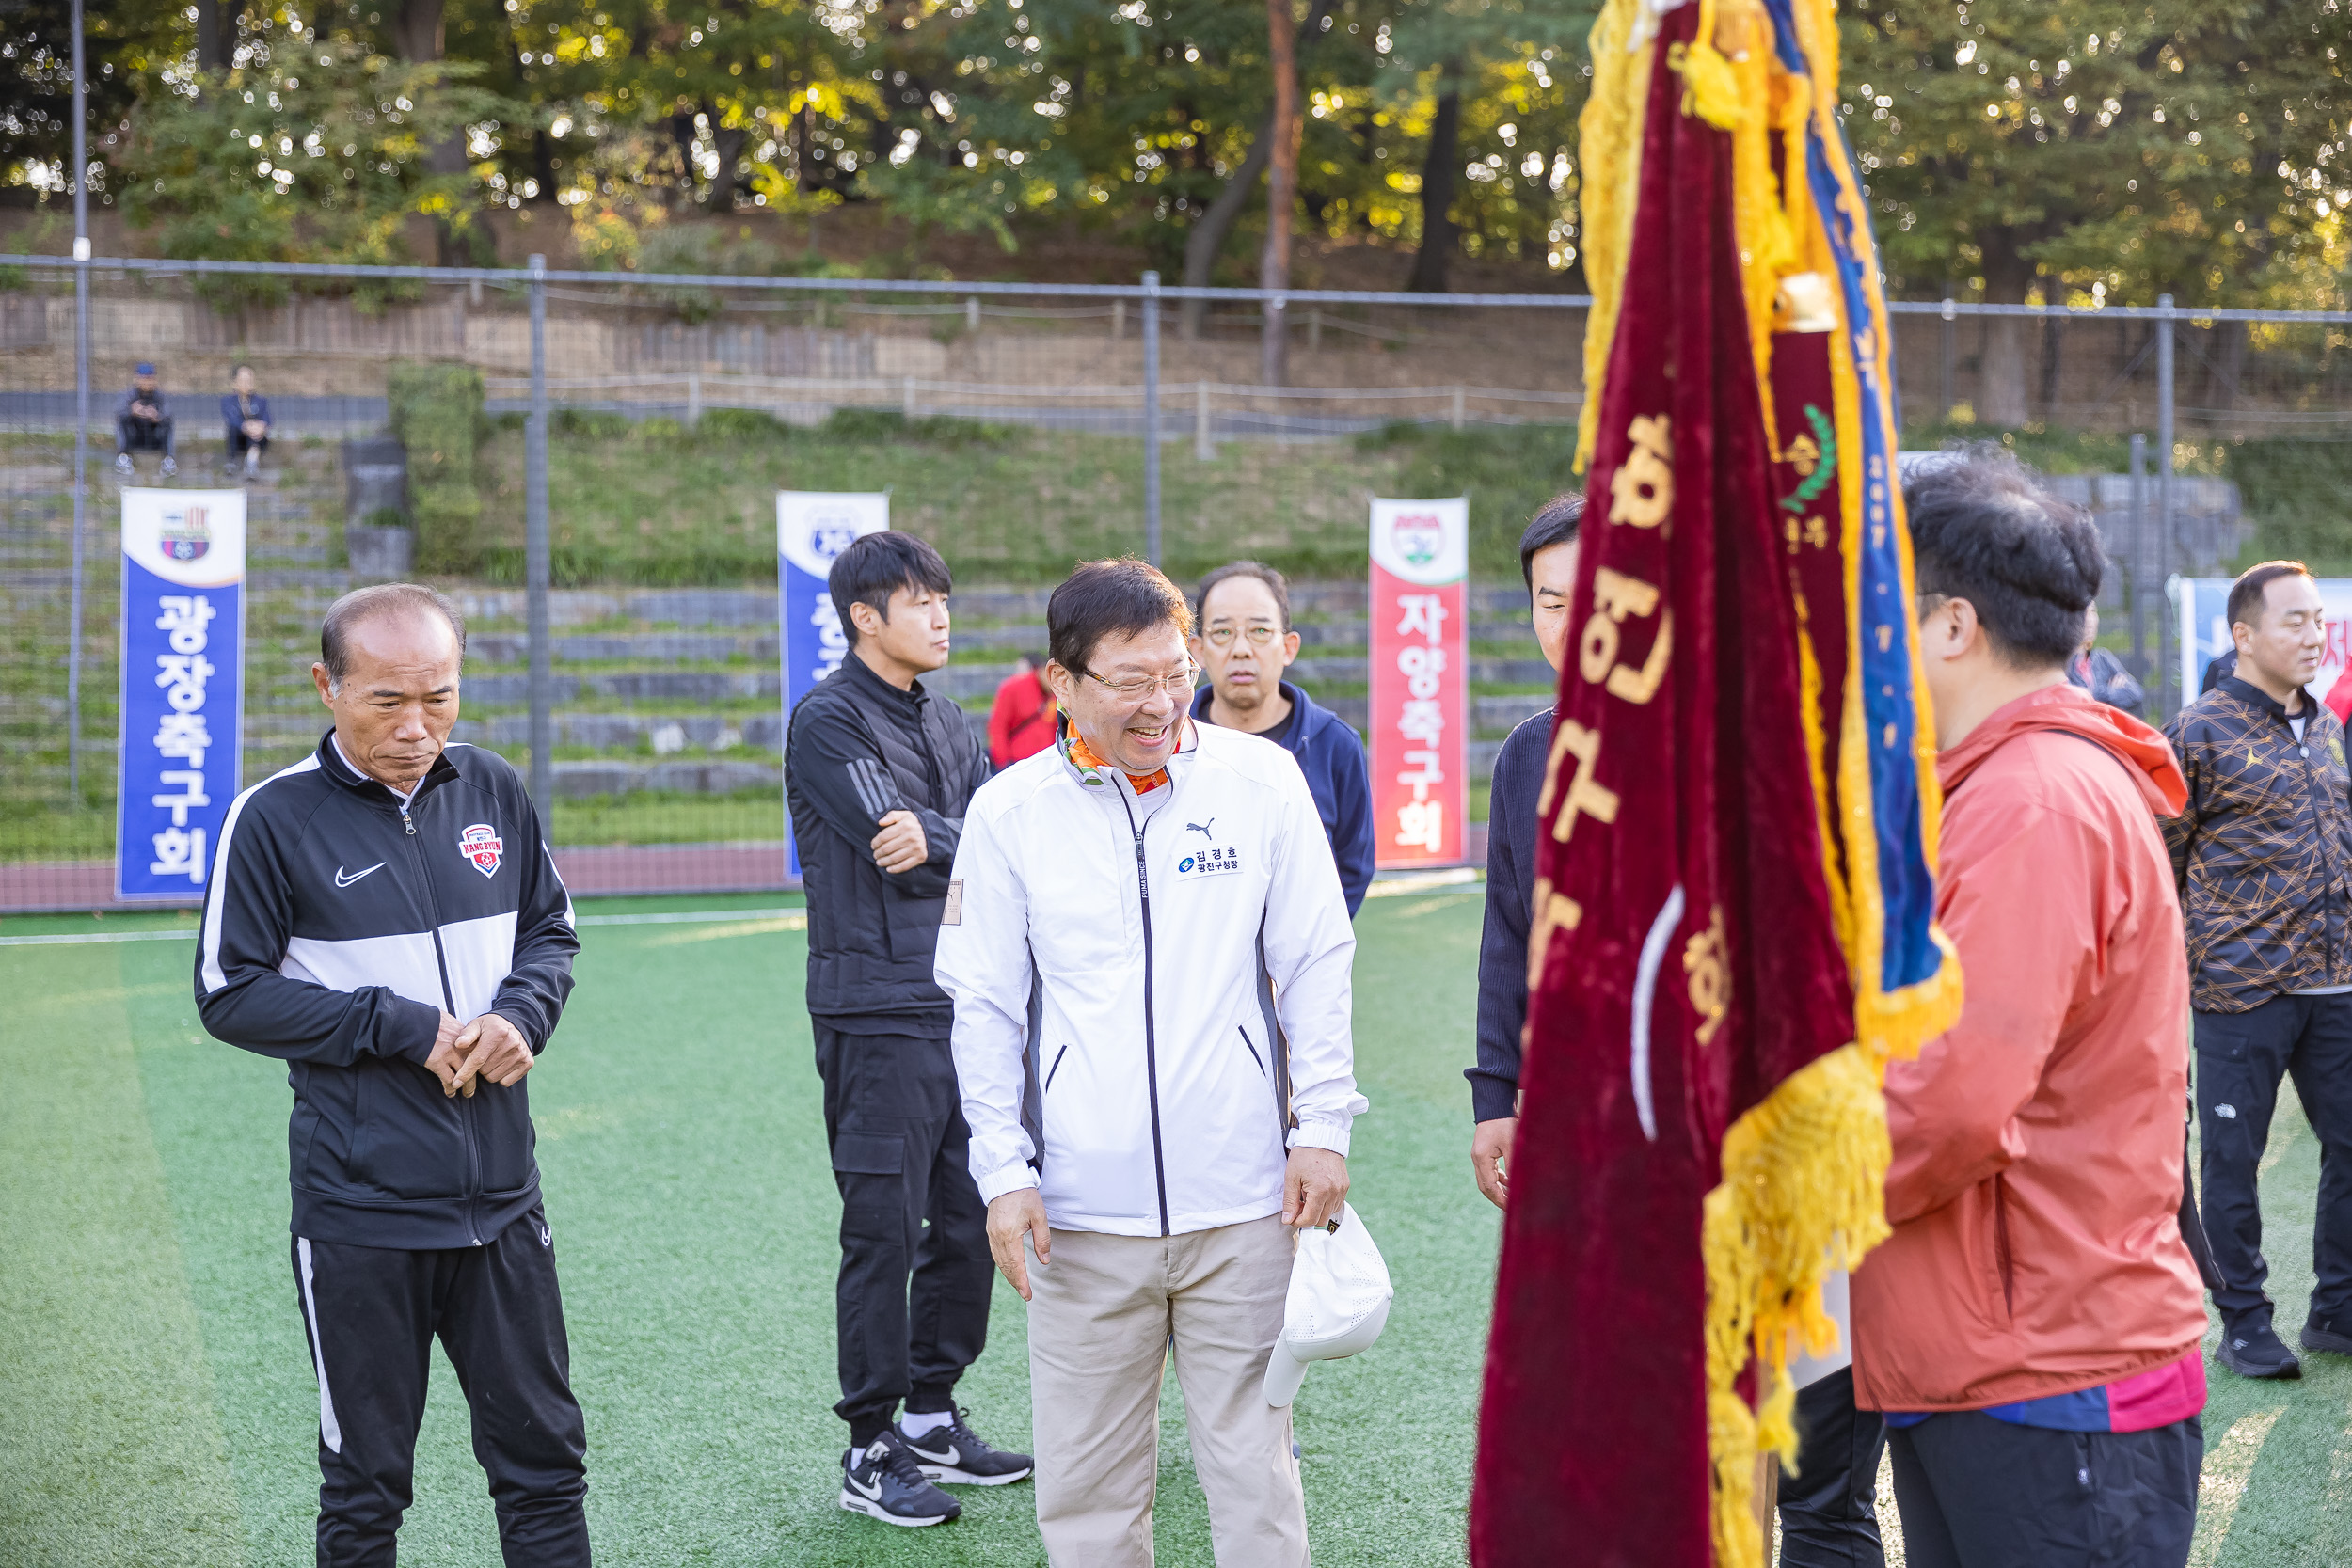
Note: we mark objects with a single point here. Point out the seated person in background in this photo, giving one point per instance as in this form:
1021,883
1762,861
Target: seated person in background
2095,670
244,416
142,422
1021,722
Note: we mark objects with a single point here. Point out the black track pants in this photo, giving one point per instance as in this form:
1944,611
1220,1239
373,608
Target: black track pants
1829,1509
912,1300
371,1314
1980,1493
2241,1058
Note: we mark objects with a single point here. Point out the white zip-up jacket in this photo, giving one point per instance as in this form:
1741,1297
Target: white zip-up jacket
1112,1006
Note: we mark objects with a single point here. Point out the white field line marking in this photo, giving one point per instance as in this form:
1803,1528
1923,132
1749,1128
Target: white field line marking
794,921
2228,1464
696,917
1421,881
2281,1139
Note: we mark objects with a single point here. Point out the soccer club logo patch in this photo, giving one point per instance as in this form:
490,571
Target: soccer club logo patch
481,845
1419,535
186,533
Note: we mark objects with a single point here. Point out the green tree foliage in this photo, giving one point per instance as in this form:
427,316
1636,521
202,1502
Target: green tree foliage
309,157
2105,151
2014,149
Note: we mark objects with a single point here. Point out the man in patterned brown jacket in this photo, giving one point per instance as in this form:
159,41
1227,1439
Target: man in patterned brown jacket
2264,859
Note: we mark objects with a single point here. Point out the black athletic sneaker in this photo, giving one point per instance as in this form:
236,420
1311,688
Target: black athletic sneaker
2323,1333
2252,1349
955,1453
882,1482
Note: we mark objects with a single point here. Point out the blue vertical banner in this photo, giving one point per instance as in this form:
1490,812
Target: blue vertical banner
812,527
183,639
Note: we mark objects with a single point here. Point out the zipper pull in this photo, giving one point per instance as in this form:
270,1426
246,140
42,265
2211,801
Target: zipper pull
407,824
1143,878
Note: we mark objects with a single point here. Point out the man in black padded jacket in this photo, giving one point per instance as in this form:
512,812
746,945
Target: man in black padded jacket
879,773
385,918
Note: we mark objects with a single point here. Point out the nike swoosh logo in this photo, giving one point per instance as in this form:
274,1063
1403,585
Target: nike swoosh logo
871,1493
342,880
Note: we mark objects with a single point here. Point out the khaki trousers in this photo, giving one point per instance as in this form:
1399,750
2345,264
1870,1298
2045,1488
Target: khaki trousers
1100,1323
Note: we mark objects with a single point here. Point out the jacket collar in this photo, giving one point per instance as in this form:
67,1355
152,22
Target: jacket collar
2247,692
2142,750
1302,712
861,675
331,763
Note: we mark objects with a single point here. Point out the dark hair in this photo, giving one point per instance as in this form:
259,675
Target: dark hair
372,603
1985,529
1276,584
877,565
1110,598
1556,522
2250,594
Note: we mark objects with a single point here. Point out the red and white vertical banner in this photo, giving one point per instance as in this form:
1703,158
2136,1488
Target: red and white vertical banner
1420,724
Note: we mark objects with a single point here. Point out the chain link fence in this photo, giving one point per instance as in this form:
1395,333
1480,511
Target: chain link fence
588,464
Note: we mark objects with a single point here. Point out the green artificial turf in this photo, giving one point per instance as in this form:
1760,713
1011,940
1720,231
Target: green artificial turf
156,1401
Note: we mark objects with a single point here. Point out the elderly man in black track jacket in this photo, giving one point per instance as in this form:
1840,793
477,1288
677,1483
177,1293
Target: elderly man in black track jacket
385,918
878,772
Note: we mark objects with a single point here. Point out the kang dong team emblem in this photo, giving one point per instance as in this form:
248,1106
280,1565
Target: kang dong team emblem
1419,535
481,845
186,533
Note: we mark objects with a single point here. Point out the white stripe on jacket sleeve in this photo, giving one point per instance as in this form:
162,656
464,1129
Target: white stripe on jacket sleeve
215,977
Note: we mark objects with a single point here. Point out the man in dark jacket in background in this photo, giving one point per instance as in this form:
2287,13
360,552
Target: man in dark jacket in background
1244,640
1547,561
879,773
385,919
2262,855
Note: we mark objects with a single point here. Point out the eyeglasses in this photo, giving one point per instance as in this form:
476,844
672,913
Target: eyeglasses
1141,688
1258,636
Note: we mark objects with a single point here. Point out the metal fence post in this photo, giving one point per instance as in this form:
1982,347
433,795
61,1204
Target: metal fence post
80,423
2171,702
1152,418
2140,604
1943,410
1204,444
535,556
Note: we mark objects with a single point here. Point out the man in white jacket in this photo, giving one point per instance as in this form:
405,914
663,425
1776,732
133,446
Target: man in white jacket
1149,955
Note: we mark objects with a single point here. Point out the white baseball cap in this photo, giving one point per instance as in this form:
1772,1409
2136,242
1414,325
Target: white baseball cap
1337,1306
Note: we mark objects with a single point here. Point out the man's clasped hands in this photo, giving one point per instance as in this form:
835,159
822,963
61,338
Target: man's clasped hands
488,1048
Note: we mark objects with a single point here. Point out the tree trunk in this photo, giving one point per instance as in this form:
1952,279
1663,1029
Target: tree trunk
1211,230
2225,364
416,31
2001,371
1439,172
417,37
1281,190
216,33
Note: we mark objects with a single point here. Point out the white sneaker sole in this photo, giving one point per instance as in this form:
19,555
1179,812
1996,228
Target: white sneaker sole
852,1503
936,1474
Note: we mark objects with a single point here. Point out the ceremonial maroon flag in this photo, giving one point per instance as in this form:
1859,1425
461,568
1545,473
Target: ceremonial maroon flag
1737,823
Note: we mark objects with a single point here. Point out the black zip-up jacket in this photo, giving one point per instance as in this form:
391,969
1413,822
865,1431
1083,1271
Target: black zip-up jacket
1511,830
340,926
858,750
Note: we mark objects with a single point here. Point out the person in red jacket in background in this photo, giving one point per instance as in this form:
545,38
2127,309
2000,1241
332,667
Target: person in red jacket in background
1021,724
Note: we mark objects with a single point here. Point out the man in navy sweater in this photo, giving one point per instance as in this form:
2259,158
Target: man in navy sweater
1547,561
1242,638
